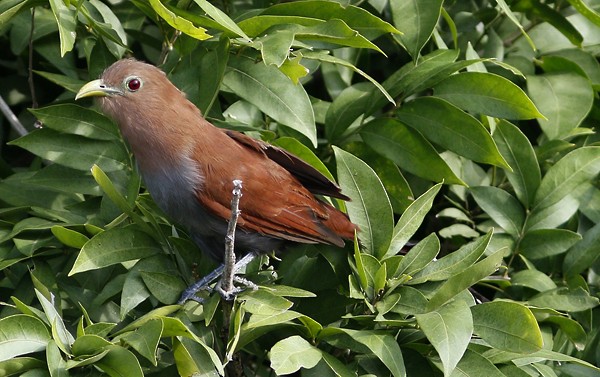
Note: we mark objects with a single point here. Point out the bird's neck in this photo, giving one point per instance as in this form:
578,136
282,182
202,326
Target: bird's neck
161,140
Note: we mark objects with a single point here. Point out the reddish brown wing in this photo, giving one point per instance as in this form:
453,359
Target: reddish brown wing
274,201
310,177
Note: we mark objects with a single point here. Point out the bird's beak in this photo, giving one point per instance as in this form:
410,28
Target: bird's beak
97,88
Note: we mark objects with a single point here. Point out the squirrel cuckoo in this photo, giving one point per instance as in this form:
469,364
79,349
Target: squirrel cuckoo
188,166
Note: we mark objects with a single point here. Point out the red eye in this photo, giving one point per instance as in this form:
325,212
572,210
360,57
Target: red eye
134,85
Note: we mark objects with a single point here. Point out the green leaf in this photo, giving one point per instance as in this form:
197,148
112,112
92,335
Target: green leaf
525,176
114,246
145,339
419,256
273,93
334,31
77,120
579,166
57,366
488,94
564,98
165,287
74,151
383,346
275,47
449,329
264,302
503,208
21,334
192,358
454,262
69,237
545,243
357,18
212,70
452,128
177,22
568,300
66,20
474,364
411,220
515,20
63,179
585,10
69,83
466,278
221,18
120,362
583,254
494,322
344,110
533,279
60,334
291,354
20,365
370,207
326,58
417,20
408,149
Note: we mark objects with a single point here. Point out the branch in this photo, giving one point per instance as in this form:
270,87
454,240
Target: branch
12,118
229,260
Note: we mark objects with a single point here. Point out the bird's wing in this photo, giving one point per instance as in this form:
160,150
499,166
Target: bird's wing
310,177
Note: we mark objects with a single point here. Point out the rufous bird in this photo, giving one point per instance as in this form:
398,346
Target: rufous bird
188,166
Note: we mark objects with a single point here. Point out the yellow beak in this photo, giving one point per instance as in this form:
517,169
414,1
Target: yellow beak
97,88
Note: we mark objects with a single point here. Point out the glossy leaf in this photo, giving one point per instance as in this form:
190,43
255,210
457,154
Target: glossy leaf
494,322
77,120
564,299
291,354
545,243
466,278
446,125
516,149
178,22
119,361
273,93
74,151
69,237
357,18
408,149
565,99
577,167
145,339
488,94
411,220
114,246
221,18
335,60
419,255
383,346
474,364
503,208
65,18
449,329
416,19
583,254
20,335
454,262
370,207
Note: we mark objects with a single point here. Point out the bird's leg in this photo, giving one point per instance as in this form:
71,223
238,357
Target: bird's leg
230,267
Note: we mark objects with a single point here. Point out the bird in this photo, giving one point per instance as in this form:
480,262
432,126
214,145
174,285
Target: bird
188,166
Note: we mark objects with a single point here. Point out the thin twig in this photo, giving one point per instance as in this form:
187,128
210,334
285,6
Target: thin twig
229,263
34,103
12,118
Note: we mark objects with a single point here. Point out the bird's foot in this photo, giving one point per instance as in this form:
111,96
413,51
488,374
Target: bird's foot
205,282
234,291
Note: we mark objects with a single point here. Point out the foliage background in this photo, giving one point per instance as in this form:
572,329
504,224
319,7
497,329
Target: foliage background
492,272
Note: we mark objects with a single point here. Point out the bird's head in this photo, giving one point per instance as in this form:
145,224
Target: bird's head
133,93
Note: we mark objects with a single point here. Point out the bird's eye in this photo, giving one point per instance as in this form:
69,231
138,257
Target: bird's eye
133,84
